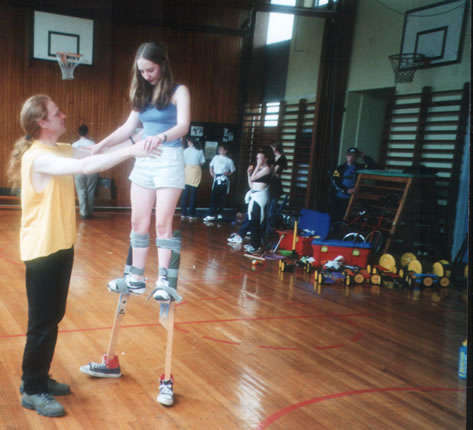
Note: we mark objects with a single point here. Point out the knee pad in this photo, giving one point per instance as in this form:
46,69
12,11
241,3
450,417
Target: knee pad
174,245
171,272
138,240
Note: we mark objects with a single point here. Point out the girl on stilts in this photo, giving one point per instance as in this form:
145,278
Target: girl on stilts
162,108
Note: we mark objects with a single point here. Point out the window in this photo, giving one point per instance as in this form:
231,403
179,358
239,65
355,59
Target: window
319,3
272,114
280,24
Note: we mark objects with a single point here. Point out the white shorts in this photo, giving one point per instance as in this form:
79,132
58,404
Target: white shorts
164,171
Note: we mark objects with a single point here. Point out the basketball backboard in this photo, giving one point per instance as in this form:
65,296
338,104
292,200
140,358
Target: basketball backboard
60,33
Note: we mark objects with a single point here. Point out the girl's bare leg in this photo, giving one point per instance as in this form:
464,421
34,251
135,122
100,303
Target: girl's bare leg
166,202
142,203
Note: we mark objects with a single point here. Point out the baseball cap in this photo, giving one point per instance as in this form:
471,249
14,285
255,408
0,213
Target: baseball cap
353,150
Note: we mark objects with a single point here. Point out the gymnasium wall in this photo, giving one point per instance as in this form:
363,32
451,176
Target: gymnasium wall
202,56
378,34
304,58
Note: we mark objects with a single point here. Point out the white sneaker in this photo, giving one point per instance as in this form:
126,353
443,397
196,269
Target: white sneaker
250,249
159,294
133,286
166,393
235,238
219,217
209,218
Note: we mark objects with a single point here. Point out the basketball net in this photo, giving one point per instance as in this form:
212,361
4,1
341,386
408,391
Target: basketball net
405,66
68,61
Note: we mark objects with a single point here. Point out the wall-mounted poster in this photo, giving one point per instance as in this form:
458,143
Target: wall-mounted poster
210,149
212,134
197,131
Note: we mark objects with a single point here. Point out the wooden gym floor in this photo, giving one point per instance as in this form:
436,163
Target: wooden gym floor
253,349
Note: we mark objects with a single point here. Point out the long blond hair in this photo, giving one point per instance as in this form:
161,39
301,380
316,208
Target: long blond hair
141,91
34,110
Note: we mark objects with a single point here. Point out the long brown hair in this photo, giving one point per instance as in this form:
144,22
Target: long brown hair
141,91
34,110
268,153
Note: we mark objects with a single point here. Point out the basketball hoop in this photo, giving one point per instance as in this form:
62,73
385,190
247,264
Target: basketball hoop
68,61
405,66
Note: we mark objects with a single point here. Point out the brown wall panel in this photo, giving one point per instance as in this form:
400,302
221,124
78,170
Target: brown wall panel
208,62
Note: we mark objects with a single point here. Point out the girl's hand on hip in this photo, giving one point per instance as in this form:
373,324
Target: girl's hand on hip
141,149
156,152
152,142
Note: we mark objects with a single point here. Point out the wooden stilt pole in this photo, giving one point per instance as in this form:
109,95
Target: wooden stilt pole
121,310
167,321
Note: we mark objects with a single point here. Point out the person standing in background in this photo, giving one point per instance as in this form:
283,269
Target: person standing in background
85,184
275,186
259,177
194,159
221,167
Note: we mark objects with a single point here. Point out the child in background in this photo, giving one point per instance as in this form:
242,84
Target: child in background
221,167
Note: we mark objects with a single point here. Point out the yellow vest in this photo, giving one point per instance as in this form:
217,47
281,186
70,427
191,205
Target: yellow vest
48,218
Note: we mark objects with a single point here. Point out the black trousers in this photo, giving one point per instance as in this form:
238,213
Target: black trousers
217,199
47,286
256,228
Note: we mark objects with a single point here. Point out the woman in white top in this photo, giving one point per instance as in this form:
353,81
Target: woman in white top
194,159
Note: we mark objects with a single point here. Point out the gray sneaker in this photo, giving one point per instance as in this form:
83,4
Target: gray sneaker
54,388
44,404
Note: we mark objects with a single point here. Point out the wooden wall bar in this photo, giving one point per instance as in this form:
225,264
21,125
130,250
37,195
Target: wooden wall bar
204,58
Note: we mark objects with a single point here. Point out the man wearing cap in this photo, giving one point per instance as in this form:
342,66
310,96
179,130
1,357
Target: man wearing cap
344,179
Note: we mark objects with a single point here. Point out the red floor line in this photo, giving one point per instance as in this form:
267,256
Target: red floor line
288,317
285,411
321,348
177,324
279,348
76,330
221,340
356,337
